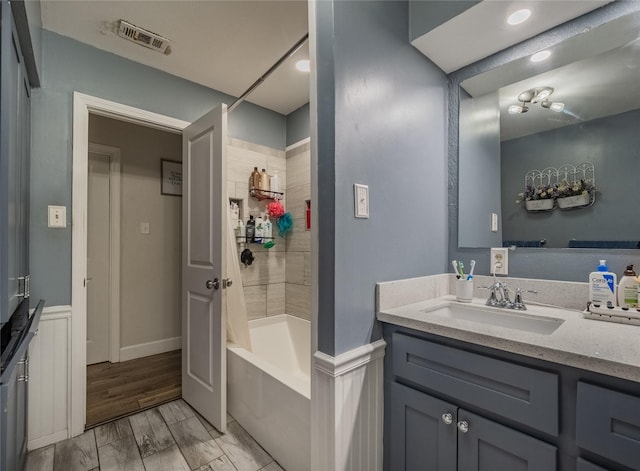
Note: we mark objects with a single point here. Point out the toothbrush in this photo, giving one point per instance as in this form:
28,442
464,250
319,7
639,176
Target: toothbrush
454,263
460,269
473,265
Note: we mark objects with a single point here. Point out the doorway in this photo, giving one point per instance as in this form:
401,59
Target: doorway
133,282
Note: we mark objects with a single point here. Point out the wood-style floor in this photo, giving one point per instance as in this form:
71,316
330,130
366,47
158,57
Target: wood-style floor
118,389
170,437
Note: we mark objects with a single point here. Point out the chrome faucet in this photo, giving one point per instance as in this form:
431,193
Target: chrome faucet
499,296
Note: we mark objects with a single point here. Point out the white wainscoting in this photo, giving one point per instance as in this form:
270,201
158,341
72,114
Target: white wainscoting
347,409
150,348
49,378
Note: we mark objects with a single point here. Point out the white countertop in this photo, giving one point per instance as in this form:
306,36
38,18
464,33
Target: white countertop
603,347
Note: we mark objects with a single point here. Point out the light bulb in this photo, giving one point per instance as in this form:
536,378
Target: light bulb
518,17
557,107
540,56
544,93
303,65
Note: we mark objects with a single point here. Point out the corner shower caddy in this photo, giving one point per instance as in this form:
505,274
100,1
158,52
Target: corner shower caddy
555,176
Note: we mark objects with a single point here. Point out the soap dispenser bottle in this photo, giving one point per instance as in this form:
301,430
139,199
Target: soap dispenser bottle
628,289
602,286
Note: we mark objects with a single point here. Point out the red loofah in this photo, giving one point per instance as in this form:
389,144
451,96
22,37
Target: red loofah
275,209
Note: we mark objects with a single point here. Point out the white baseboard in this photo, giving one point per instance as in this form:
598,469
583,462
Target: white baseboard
150,348
47,440
347,413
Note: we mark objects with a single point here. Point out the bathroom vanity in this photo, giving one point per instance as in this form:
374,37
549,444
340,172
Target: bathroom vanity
539,390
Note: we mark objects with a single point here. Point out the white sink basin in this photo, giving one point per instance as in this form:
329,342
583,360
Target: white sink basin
509,319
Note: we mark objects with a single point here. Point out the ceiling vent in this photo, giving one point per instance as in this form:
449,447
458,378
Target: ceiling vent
143,37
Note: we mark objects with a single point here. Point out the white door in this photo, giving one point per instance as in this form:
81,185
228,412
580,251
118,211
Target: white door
204,213
98,230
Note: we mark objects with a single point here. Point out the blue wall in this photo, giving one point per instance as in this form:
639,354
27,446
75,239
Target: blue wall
381,122
70,66
551,264
611,144
298,124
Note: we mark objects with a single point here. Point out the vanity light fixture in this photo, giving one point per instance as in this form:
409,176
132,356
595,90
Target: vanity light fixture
540,56
536,95
518,17
303,65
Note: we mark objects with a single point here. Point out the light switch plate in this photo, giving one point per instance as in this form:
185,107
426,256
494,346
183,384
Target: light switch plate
361,199
57,216
144,228
499,261
494,222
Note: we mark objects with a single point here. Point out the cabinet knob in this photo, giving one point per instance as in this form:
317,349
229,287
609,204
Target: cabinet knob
24,378
447,418
463,426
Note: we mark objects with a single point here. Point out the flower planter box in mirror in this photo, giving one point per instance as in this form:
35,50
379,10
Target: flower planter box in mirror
574,201
539,205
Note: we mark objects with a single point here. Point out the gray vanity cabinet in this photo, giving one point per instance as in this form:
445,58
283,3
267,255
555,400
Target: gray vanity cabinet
423,431
429,434
608,424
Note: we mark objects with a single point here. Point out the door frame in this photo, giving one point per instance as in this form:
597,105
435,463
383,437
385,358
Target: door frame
83,105
114,245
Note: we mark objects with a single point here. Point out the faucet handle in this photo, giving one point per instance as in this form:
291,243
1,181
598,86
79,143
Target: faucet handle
518,303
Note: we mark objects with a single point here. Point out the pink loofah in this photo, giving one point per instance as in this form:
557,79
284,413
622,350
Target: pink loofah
275,209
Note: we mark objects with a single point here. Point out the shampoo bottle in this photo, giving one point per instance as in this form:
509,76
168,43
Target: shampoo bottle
602,286
628,289
254,181
259,230
240,233
250,230
265,183
268,228
275,182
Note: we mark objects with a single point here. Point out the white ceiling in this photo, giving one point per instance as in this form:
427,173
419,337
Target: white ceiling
595,74
482,30
224,45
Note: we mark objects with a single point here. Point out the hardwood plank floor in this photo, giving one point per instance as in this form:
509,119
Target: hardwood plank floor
118,389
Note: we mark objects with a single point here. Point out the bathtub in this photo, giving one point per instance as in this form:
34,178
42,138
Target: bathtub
269,391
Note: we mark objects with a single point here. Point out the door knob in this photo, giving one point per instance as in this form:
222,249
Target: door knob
463,426
215,284
447,418
226,282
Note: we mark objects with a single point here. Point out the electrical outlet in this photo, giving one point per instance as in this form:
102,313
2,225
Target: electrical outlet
500,261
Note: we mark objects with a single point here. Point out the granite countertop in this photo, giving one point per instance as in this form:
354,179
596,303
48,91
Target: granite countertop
603,347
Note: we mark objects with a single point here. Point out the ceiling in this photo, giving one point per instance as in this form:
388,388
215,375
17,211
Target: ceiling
482,30
595,74
224,45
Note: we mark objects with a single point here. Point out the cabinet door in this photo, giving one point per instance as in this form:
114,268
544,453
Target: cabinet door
8,399
488,446
421,438
21,412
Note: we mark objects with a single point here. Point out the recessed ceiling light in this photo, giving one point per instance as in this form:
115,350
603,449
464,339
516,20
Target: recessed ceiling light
303,65
518,17
540,56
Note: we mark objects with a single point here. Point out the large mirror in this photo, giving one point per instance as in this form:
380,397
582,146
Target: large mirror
552,148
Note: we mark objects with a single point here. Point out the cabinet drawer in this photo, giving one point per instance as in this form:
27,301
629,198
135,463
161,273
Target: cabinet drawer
608,423
526,395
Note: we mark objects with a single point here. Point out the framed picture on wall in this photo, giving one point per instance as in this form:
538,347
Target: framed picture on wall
171,177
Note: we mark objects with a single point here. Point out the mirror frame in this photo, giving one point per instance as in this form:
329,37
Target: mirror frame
566,264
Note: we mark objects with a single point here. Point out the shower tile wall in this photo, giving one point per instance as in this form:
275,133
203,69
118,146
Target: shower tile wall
264,280
298,245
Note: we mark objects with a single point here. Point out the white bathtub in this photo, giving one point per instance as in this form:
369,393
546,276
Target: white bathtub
268,390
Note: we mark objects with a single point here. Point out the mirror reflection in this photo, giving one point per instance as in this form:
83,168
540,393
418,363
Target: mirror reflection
554,149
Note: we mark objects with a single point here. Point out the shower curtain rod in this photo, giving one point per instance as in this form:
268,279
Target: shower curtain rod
264,76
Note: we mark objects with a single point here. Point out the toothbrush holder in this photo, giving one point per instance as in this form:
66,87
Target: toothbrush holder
464,290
